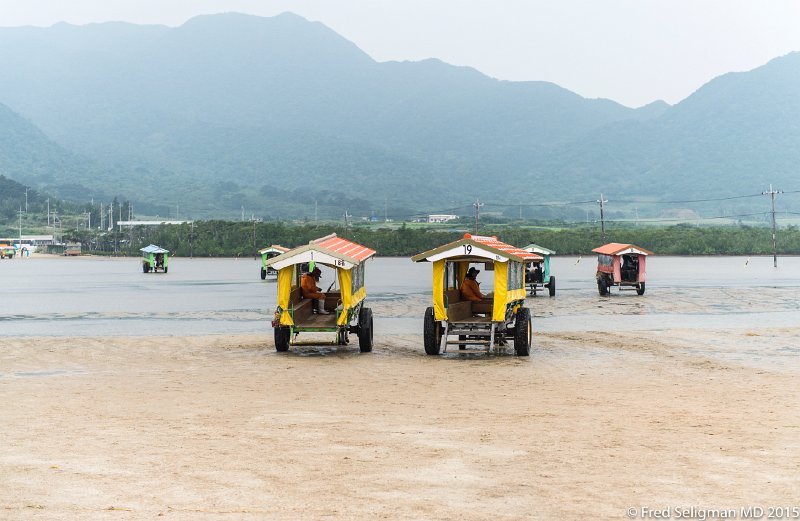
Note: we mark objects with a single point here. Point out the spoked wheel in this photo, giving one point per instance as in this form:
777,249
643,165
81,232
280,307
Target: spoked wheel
640,288
551,286
365,330
263,274
523,332
282,339
602,286
432,333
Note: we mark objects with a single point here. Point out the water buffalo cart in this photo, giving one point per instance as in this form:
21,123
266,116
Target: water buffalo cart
537,272
621,265
492,321
342,310
154,258
267,254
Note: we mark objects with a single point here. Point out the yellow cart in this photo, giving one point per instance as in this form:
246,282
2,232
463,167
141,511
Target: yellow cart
345,308
486,324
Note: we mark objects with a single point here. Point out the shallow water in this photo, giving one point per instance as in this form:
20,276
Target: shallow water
87,296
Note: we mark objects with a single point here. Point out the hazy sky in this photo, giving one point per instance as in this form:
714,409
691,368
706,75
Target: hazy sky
631,51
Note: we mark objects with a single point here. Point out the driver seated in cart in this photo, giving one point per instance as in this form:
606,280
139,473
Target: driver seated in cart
308,285
470,287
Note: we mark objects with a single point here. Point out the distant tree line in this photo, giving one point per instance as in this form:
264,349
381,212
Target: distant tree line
242,239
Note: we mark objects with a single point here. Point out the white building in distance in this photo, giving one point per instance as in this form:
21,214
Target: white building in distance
441,218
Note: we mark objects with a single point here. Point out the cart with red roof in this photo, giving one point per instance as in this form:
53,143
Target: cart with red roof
501,316
344,310
621,265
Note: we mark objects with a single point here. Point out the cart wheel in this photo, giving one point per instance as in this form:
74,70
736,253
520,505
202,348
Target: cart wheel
523,332
282,339
365,330
640,288
602,286
263,274
432,333
165,269
551,286
144,268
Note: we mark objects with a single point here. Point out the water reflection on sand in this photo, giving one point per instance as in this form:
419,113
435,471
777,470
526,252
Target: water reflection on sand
55,296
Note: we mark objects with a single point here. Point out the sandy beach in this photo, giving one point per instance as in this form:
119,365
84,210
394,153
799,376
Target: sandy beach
225,428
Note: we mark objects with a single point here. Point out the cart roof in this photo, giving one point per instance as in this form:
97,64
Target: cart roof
153,249
330,249
275,248
541,250
482,247
615,248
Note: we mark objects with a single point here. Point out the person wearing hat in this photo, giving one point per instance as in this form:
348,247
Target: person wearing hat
308,285
470,289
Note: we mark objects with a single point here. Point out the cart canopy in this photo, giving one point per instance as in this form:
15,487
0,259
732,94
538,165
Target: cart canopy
478,248
153,249
275,248
507,261
345,256
330,250
541,250
615,248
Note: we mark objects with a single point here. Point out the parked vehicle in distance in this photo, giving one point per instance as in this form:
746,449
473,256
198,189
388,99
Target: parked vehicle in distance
621,265
537,271
154,258
7,251
343,311
266,254
483,324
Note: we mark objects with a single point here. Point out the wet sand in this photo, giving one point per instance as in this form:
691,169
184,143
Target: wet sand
220,427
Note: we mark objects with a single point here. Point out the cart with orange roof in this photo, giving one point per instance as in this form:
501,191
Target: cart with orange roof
344,311
499,317
621,265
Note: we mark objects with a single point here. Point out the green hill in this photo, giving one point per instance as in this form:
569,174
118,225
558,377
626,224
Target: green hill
275,117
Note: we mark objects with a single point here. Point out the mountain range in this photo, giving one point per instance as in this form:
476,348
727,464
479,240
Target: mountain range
281,117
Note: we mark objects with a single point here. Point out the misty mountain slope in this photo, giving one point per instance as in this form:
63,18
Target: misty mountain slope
735,135
129,103
234,110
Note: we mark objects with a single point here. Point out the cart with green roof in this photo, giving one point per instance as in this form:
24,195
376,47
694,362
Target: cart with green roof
537,272
154,258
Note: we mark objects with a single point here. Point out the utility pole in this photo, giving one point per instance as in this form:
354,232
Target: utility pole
602,216
191,247
255,248
386,209
315,211
772,193
26,200
477,206
130,226
20,224
48,211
